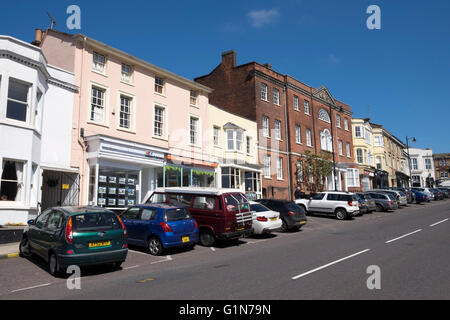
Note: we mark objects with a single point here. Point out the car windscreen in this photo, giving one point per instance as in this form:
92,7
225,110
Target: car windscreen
97,221
259,208
176,215
368,197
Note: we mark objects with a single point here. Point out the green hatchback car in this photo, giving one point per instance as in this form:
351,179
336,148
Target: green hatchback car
82,236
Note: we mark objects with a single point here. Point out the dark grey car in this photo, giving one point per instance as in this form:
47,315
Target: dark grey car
383,201
292,215
370,203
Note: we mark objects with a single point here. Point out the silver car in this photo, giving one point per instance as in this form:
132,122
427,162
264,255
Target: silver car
400,196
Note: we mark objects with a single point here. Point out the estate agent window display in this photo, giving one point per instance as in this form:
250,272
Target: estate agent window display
117,189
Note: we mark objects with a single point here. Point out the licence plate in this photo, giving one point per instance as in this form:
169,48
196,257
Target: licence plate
239,229
273,219
185,239
99,244
302,222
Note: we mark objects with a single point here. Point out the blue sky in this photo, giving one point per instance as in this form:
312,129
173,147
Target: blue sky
398,76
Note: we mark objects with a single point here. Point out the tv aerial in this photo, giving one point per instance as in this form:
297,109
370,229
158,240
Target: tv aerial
52,21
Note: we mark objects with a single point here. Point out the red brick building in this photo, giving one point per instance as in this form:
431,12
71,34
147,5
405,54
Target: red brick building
292,118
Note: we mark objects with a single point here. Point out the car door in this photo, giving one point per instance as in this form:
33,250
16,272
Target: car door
330,203
130,219
145,225
315,203
35,233
51,233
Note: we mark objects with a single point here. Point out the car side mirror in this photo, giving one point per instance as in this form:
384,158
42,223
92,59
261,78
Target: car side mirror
30,222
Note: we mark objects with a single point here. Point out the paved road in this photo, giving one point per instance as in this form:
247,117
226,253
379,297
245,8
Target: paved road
326,260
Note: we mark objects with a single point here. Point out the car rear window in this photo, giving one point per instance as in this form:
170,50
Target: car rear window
259,208
292,206
176,215
97,221
236,202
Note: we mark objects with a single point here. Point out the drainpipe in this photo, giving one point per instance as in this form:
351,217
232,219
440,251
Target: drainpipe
332,148
288,140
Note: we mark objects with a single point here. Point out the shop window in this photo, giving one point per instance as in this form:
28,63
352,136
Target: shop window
231,178
117,188
11,188
252,181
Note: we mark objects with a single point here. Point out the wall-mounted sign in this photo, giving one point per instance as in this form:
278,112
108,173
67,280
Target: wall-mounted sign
153,154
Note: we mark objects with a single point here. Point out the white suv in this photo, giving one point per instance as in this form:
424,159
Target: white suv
343,205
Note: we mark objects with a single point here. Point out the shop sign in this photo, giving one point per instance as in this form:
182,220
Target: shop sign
153,154
368,173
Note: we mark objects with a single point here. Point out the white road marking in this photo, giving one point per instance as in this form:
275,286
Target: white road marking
168,258
435,224
138,252
406,235
329,264
133,267
213,249
258,241
29,288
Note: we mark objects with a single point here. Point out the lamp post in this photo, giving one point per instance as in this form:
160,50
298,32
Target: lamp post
409,158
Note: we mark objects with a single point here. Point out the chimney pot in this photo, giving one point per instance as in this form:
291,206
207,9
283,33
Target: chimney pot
37,37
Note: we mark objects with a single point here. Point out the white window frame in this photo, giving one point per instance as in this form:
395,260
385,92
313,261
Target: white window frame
159,85
308,137
338,121
267,165
97,65
296,103
306,107
21,182
164,121
126,76
279,168
27,103
277,128
276,97
216,136
197,133
352,178
193,98
341,147
105,115
347,146
264,92
248,146
324,116
132,108
298,134
265,126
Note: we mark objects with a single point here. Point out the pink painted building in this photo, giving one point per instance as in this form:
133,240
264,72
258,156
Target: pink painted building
135,126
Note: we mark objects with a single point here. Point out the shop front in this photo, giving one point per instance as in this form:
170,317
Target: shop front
367,179
245,178
402,179
121,172
179,172
381,179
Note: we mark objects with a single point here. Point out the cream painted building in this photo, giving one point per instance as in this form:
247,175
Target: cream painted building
234,145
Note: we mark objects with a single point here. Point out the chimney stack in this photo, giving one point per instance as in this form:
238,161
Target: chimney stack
268,66
38,37
229,58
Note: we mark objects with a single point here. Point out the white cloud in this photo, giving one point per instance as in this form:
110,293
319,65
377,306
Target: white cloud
259,18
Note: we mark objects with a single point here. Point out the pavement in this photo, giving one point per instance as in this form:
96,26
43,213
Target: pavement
327,259
10,250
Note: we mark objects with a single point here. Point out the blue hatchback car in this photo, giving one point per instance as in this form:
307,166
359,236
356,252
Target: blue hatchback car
160,226
420,196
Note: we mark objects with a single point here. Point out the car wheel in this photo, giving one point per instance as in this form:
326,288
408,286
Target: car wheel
117,264
379,208
24,248
53,265
284,226
207,238
341,214
155,246
297,228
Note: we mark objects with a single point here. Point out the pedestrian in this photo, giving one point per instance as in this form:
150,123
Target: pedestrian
299,193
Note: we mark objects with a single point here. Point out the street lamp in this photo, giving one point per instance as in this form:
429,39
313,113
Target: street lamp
409,158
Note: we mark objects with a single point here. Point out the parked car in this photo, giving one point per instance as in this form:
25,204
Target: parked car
220,213
370,203
265,221
446,192
420,196
343,205
65,236
383,201
292,216
407,191
160,226
362,204
438,195
427,191
399,196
